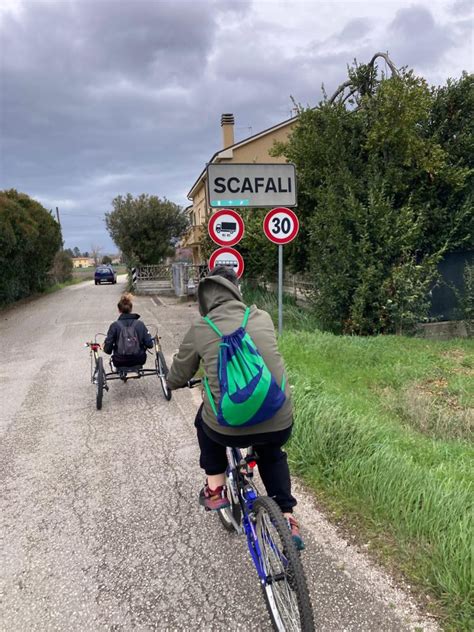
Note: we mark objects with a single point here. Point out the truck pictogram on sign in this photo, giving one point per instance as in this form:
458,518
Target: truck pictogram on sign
226,227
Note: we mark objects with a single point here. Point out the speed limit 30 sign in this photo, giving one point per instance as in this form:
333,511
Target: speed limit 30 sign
281,225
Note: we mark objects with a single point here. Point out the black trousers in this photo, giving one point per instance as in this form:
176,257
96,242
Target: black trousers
272,461
135,360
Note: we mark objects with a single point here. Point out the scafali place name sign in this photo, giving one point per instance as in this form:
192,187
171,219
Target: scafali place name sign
251,185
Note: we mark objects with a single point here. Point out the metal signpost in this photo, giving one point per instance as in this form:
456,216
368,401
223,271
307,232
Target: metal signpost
281,226
251,185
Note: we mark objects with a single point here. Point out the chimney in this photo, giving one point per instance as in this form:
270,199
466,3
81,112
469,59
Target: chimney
227,124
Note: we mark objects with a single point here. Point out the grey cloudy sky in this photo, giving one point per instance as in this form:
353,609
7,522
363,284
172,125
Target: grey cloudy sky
101,97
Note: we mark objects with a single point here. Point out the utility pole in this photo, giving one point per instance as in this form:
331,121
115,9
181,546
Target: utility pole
60,228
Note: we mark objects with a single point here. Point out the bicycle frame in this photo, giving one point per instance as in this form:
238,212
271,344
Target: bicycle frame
247,494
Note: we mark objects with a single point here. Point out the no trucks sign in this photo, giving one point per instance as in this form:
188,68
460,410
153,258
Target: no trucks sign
252,185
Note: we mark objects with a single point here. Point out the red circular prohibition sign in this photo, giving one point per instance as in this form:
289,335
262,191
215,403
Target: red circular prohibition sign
221,232
281,225
227,257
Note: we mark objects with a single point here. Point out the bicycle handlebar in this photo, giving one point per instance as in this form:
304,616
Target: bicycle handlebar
194,382
93,345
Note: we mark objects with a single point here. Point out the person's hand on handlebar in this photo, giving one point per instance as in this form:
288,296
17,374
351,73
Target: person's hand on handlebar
194,382
189,384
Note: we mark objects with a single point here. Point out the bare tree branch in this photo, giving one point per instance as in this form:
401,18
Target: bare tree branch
95,253
348,83
340,89
390,63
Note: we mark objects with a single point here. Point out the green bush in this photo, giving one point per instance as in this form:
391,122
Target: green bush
62,267
467,300
385,190
29,240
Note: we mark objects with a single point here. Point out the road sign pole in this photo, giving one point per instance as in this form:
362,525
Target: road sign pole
281,226
280,289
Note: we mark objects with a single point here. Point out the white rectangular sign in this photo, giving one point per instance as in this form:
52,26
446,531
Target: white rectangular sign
255,185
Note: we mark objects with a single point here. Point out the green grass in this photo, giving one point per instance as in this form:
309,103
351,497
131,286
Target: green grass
87,274
60,286
295,318
383,433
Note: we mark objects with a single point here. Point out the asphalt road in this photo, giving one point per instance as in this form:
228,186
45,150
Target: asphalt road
100,526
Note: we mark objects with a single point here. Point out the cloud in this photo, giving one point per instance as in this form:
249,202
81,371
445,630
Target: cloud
102,98
415,35
355,29
462,7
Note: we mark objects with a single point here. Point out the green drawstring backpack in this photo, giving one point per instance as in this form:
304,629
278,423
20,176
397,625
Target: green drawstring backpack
249,394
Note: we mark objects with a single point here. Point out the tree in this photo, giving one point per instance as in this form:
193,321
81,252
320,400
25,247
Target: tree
146,228
76,252
106,259
95,253
385,190
62,267
29,240
69,252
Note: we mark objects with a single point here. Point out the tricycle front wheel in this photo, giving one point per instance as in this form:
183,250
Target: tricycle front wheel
162,371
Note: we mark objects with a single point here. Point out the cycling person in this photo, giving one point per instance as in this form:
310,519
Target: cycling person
128,338
220,300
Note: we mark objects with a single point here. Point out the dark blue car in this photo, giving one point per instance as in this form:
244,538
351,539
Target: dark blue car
105,274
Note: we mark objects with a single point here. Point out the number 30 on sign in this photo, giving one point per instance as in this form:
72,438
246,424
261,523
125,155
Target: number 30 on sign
281,225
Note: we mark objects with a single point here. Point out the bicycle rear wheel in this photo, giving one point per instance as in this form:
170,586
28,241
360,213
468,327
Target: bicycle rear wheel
285,590
99,383
162,370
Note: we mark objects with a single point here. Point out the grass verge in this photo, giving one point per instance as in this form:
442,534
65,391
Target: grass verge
60,286
383,433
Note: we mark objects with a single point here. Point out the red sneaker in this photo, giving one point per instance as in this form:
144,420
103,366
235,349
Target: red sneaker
295,533
214,499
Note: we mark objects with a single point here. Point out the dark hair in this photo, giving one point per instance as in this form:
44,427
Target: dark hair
125,304
225,271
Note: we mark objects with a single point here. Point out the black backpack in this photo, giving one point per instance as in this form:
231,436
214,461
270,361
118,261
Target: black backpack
128,343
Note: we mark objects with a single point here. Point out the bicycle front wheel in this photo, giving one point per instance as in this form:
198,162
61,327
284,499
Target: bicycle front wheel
285,589
162,371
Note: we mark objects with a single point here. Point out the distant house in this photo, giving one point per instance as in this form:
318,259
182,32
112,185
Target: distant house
254,149
82,262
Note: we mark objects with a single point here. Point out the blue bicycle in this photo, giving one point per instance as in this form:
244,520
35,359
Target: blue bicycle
269,540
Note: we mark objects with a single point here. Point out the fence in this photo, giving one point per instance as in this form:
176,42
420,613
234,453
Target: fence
296,285
182,279
153,280
177,278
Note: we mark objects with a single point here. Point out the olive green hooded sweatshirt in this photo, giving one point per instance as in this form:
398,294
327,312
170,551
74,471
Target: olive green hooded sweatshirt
221,300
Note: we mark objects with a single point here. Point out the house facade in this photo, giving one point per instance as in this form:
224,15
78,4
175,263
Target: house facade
254,149
82,262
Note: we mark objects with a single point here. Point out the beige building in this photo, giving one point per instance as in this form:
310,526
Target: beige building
255,149
82,262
